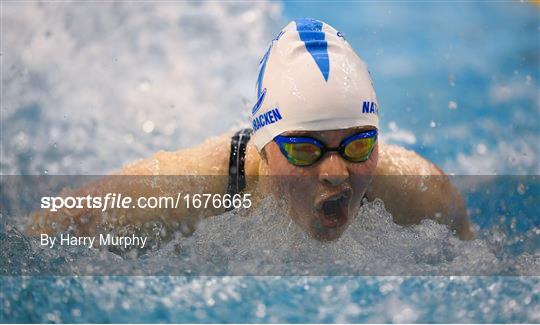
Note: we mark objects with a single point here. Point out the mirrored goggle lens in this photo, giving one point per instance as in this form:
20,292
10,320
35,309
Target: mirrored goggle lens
302,154
359,150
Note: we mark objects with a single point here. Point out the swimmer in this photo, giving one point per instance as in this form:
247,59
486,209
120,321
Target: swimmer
313,145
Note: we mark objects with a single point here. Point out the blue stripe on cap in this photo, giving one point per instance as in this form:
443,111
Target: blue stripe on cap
263,64
310,31
261,71
259,102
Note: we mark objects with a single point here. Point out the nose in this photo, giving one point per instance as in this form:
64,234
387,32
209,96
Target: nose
333,170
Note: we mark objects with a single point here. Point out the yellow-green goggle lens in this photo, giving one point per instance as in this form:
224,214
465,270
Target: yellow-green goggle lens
359,149
302,154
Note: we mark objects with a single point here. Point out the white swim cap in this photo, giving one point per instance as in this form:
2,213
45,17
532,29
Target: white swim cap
311,79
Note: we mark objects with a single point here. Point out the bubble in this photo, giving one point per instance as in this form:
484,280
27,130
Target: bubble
432,124
452,105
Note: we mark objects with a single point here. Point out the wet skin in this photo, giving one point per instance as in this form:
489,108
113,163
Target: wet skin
322,198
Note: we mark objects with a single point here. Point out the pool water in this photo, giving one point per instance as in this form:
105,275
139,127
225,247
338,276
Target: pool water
88,88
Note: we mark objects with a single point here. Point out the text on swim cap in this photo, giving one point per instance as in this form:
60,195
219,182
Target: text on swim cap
370,107
272,116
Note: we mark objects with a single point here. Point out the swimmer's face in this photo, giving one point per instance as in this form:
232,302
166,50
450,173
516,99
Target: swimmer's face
322,198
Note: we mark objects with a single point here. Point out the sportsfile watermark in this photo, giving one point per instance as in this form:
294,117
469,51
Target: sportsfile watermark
188,225
121,201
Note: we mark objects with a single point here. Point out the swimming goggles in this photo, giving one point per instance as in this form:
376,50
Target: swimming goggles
305,151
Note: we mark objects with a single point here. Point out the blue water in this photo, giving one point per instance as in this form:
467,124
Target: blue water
269,299
484,57
88,88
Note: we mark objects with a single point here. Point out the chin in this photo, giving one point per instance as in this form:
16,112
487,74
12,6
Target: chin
324,234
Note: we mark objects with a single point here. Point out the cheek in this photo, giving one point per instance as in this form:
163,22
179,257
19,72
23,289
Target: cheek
362,174
295,186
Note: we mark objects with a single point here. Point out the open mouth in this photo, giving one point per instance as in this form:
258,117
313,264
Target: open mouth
333,210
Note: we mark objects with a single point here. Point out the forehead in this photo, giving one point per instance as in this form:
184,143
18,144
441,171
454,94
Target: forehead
329,135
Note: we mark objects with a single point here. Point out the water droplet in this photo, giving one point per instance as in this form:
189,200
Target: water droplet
432,124
521,189
144,85
46,171
481,149
249,16
148,126
128,138
451,80
261,310
452,105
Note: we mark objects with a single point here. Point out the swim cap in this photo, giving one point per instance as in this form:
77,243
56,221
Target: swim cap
311,79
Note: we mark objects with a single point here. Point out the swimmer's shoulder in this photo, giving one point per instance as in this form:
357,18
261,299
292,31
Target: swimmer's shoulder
410,198
396,160
217,151
211,157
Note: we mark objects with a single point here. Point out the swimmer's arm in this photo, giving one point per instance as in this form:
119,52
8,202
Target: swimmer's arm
414,189
209,158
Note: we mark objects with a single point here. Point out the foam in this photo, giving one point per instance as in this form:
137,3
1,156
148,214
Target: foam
264,241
